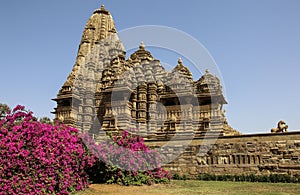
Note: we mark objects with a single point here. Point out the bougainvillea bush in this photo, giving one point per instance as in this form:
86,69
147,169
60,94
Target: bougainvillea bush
38,158
125,159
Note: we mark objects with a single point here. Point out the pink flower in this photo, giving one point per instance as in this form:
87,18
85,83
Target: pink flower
18,107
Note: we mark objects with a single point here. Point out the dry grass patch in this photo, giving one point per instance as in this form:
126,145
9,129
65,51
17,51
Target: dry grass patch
192,187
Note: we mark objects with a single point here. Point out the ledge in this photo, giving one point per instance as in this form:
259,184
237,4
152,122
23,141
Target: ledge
231,137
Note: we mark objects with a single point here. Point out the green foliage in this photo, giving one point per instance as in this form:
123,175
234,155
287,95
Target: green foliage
46,120
4,108
176,176
129,179
273,178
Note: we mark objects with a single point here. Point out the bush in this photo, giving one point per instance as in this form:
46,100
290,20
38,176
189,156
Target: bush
224,178
40,158
176,176
126,160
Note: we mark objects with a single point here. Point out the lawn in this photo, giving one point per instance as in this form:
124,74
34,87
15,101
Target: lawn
196,187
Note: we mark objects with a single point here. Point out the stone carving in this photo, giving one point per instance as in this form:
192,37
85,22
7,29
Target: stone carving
281,127
258,154
201,160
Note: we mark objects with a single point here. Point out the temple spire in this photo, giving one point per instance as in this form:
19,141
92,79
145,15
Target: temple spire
99,39
183,70
99,28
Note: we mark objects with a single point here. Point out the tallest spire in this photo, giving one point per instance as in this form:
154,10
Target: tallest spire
99,29
99,45
99,26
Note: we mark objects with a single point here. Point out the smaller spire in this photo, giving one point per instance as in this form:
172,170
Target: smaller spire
142,45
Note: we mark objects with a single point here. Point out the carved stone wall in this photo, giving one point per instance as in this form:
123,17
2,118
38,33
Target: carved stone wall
246,154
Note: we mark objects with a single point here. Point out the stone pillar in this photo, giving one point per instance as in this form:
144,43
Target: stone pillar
142,108
152,115
188,120
134,108
87,116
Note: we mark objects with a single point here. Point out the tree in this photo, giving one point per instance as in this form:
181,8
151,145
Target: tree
4,108
46,120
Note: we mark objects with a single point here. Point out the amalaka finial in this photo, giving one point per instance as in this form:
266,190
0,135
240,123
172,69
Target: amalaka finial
101,10
207,71
142,45
179,61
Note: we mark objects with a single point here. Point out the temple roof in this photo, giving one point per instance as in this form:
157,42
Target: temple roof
209,83
209,78
180,68
141,53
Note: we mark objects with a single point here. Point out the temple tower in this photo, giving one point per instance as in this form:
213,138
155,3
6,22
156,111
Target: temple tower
99,45
107,92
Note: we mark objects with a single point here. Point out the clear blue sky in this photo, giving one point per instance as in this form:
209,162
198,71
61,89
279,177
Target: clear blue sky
256,45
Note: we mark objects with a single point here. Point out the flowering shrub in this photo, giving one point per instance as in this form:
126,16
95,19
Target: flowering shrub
38,158
125,159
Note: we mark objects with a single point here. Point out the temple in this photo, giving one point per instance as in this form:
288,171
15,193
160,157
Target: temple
107,92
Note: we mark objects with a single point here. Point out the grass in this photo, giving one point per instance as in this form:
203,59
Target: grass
191,187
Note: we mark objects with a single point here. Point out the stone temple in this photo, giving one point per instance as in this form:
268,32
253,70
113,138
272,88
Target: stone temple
107,92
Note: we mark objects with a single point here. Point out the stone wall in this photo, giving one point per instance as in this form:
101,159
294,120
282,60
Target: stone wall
245,154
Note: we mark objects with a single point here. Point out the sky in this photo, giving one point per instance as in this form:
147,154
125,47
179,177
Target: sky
255,44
